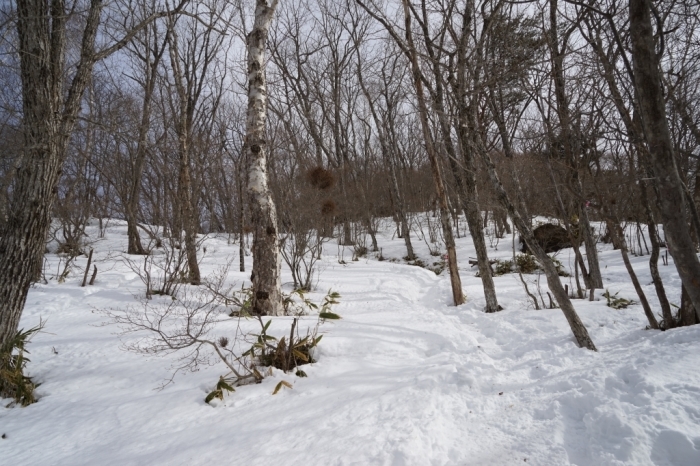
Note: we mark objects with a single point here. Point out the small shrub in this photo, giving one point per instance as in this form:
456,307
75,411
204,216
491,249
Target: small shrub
418,263
617,303
218,392
526,263
438,267
13,383
286,353
502,267
360,251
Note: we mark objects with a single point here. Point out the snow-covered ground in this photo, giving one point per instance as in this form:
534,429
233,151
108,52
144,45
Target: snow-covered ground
405,378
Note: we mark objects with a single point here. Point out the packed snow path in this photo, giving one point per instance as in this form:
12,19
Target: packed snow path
403,379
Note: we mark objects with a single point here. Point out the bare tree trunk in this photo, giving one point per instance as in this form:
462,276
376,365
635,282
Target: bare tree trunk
400,209
49,116
680,105
635,134
456,282
671,199
187,214
151,58
48,120
618,238
241,219
183,127
267,292
669,321
592,276
466,132
686,316
473,214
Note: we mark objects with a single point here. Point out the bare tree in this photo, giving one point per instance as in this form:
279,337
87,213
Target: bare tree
383,119
193,59
408,47
149,49
49,117
571,143
267,293
671,199
467,103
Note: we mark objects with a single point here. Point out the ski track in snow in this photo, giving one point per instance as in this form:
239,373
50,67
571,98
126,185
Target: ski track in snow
403,379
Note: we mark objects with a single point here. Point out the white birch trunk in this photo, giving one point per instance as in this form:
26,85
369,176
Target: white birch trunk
267,294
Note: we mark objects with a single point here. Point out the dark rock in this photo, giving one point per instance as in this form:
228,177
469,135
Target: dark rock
551,237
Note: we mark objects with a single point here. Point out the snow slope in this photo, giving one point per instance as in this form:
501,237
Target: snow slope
404,378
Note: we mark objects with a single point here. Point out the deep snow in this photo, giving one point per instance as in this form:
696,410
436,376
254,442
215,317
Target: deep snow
405,378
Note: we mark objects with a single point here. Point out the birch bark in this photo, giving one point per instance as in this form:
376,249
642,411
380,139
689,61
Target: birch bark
267,294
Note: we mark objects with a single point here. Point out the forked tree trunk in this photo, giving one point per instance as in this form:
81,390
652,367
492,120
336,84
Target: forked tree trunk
267,293
671,199
187,100
591,251
473,214
669,321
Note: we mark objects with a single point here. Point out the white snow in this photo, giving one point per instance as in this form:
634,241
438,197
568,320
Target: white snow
405,378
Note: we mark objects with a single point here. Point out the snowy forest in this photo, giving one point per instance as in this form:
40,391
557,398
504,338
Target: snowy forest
391,232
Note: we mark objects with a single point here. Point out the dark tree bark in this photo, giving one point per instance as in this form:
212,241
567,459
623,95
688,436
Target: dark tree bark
635,134
671,198
49,117
48,120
